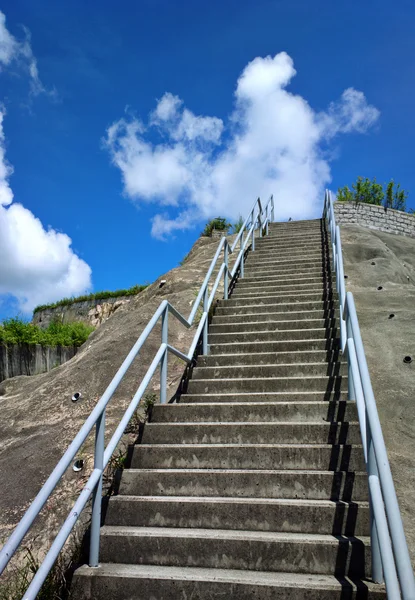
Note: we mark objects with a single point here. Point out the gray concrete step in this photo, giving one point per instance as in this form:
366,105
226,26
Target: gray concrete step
294,240
294,283
268,358
296,369
270,258
280,515
278,250
272,325
280,298
268,396
267,384
246,483
291,275
267,268
271,289
253,412
274,345
149,582
251,433
319,457
271,334
223,308
219,319
221,548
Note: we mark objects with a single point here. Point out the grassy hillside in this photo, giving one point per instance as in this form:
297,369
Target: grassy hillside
132,291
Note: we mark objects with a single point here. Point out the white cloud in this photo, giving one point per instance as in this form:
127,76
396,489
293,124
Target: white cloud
37,265
274,143
12,50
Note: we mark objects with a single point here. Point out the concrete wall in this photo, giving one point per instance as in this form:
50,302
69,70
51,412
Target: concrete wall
31,359
375,217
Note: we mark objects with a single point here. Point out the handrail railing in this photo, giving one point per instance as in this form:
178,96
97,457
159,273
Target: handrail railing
256,219
390,557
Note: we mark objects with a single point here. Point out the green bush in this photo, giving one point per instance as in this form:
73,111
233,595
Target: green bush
132,291
17,331
220,224
370,192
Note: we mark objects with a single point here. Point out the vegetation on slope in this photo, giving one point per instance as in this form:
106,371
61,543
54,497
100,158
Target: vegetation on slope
132,291
369,191
17,331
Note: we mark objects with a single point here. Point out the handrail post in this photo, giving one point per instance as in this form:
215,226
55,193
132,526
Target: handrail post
272,208
225,273
242,272
259,218
97,493
350,383
205,347
163,362
253,239
372,470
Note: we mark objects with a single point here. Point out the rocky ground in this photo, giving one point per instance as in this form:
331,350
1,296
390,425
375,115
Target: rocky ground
374,259
38,417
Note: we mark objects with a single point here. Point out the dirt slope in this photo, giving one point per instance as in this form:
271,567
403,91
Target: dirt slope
38,418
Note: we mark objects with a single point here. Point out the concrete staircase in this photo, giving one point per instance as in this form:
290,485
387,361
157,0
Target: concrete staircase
253,486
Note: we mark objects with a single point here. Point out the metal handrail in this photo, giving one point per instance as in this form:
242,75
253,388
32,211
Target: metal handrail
390,556
257,219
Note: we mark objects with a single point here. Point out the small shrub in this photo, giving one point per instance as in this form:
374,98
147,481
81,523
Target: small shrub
220,224
17,331
370,192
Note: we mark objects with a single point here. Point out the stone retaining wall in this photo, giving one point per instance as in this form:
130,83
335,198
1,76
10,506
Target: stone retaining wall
375,217
31,359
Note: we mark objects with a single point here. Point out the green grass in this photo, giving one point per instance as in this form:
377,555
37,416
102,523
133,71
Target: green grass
132,291
17,331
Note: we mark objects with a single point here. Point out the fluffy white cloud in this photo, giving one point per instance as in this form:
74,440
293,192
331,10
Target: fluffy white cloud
11,50
274,143
37,265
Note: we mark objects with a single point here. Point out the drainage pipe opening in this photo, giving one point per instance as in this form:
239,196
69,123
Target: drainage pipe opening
78,465
407,359
77,396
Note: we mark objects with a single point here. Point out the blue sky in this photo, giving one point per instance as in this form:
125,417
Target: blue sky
105,64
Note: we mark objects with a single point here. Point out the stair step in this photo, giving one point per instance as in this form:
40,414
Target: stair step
270,370
221,548
256,317
267,384
253,412
297,277
275,345
273,396
269,358
286,251
224,308
271,325
319,457
268,268
251,433
272,334
148,582
305,284
280,299
270,290
280,515
314,258
246,483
